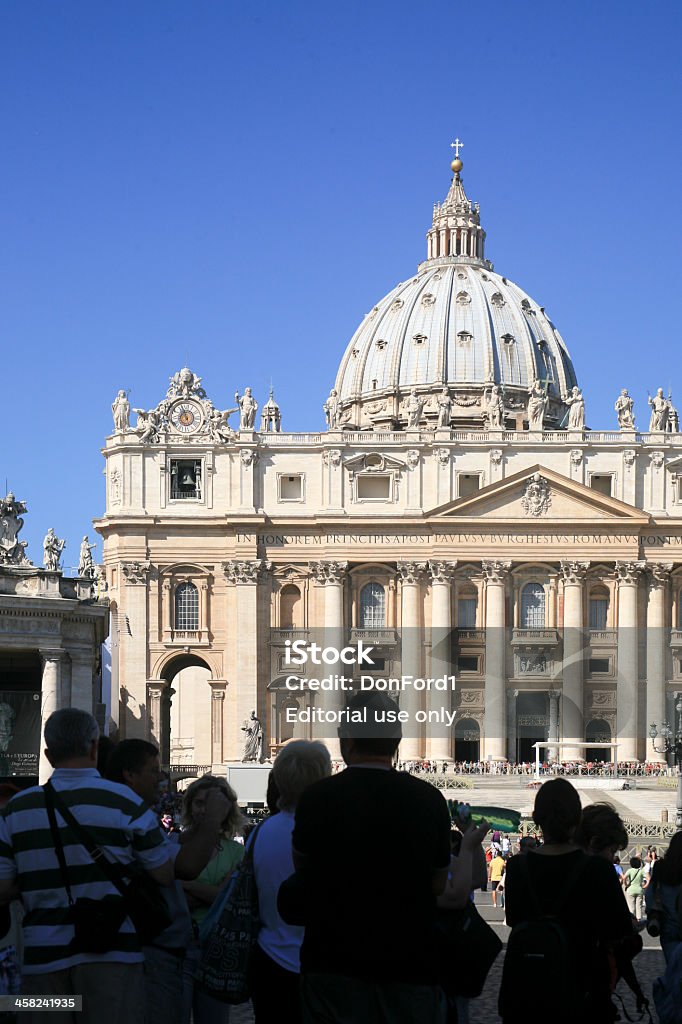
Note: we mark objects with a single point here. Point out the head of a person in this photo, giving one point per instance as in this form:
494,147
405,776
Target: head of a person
135,763
194,805
297,766
71,735
601,831
557,811
527,843
635,862
668,869
371,730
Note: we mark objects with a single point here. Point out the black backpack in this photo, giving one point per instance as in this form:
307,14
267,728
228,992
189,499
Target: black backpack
540,966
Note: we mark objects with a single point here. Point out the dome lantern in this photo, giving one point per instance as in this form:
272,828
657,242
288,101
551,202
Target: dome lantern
456,228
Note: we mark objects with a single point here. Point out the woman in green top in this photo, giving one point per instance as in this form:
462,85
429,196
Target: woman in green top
634,883
203,890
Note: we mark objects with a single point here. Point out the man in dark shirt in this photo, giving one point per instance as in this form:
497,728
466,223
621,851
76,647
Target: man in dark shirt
373,846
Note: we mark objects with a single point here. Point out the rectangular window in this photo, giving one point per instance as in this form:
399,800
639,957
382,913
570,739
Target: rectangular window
186,478
374,488
290,487
469,483
598,611
466,612
599,665
468,663
602,483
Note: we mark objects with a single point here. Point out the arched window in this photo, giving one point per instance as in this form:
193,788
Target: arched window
533,606
372,606
599,608
186,607
290,607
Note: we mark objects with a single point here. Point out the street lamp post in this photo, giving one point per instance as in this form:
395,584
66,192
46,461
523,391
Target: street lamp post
672,744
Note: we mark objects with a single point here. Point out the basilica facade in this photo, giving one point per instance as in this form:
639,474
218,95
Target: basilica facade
456,515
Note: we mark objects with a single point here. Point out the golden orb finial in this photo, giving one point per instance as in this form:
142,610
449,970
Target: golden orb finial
457,165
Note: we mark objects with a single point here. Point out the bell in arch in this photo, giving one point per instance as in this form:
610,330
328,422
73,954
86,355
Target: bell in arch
187,477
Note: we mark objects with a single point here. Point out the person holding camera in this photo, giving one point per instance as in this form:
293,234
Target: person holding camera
664,898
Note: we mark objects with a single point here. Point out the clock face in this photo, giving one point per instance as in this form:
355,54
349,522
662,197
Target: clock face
186,417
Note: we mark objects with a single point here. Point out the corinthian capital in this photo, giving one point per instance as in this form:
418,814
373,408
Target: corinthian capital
245,571
629,572
658,574
411,572
328,572
495,572
442,572
574,572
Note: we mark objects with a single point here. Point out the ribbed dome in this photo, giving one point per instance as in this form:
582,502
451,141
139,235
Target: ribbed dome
457,324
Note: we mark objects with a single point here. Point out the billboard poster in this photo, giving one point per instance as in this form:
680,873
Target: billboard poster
19,732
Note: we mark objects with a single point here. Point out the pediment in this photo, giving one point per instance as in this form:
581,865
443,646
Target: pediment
555,499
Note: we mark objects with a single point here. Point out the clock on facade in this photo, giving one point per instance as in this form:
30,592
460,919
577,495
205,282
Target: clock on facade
186,417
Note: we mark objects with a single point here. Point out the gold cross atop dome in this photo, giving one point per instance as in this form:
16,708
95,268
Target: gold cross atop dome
456,164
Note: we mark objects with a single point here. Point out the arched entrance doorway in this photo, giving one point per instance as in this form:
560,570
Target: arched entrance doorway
532,723
184,718
467,740
598,731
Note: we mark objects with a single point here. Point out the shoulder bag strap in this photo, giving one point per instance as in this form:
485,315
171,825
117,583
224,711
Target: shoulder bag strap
86,840
48,791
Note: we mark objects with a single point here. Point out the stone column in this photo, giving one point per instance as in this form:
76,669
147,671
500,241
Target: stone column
243,574
658,576
155,690
82,670
134,638
628,574
495,652
49,702
411,660
511,724
332,576
553,734
440,737
217,705
573,667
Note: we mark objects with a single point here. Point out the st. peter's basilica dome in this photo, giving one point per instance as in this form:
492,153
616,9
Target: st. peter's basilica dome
456,325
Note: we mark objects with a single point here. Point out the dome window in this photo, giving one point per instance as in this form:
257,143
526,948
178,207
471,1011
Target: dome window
497,300
372,313
428,299
356,353
508,339
419,339
398,304
463,298
461,276
464,338
525,304
381,344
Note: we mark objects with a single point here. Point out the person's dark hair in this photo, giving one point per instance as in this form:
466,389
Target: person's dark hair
635,862
129,756
601,827
557,811
375,735
667,870
527,843
69,733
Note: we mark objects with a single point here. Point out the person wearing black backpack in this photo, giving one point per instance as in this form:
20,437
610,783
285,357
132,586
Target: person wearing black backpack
564,908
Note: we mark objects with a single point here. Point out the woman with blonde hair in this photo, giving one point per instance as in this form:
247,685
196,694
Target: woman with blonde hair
203,890
276,959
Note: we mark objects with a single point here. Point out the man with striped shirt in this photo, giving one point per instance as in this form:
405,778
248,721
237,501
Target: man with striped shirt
125,828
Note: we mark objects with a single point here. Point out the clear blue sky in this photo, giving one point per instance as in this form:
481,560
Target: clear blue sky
235,185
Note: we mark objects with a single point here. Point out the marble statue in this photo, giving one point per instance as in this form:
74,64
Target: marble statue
12,550
120,409
414,407
248,407
185,384
218,426
493,407
537,403
52,550
659,412
253,739
86,566
625,410
576,412
332,410
147,426
444,409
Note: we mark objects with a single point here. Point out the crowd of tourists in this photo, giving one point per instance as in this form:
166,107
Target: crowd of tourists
646,769
350,903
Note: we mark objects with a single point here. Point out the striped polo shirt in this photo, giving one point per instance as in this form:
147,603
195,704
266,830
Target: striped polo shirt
118,821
